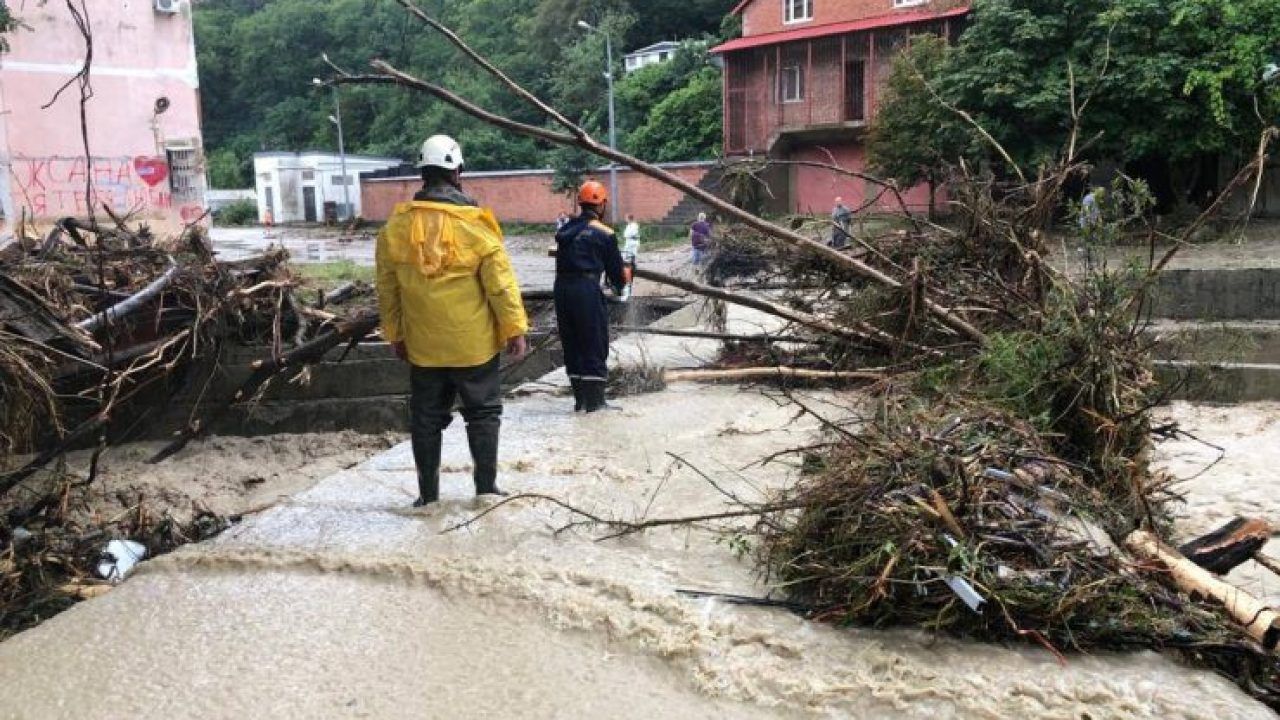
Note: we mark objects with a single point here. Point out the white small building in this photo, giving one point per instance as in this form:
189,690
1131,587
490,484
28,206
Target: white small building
652,55
296,187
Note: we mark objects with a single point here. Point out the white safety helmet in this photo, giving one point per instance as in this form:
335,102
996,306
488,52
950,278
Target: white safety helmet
441,151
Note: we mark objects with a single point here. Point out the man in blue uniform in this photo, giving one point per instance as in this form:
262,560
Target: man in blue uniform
585,249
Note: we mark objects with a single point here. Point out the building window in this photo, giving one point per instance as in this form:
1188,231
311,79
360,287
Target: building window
791,83
340,180
308,175
662,56
184,175
908,3
794,11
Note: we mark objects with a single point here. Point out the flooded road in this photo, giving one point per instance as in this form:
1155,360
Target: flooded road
344,603
310,245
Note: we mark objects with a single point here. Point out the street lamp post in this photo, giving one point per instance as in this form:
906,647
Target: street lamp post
336,119
613,127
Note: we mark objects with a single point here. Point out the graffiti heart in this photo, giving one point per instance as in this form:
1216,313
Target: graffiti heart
152,170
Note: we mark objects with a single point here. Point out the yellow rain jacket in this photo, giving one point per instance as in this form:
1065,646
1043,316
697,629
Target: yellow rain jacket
445,285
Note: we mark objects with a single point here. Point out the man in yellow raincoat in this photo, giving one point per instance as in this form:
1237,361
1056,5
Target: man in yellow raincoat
450,304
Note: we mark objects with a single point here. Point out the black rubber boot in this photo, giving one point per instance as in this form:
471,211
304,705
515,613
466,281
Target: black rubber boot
483,439
593,397
578,403
426,455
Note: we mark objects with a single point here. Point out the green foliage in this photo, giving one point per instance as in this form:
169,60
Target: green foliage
257,59
1016,368
8,23
238,213
1168,80
913,136
685,125
330,275
571,167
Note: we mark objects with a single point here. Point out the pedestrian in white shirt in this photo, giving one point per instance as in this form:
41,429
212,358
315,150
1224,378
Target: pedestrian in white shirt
631,236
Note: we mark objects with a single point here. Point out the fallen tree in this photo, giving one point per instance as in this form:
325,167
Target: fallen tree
990,491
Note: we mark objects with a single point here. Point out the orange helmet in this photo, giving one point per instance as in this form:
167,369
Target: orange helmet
592,193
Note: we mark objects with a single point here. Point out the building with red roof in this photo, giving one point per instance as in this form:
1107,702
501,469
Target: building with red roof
801,84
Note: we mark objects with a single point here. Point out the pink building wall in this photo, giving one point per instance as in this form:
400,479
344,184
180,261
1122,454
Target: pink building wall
140,57
815,189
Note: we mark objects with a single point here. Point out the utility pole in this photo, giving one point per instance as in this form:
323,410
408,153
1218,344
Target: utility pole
613,125
336,119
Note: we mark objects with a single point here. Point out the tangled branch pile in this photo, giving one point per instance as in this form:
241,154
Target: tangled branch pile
989,494
100,328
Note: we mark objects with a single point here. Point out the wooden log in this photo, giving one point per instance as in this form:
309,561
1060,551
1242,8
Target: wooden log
345,292
707,335
1259,621
1230,545
765,373
861,332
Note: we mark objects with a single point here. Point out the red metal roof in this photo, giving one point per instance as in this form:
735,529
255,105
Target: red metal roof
808,33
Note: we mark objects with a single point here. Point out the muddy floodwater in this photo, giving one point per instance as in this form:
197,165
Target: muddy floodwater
342,603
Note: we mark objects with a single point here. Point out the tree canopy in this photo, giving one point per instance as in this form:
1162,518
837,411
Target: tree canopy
1164,81
257,59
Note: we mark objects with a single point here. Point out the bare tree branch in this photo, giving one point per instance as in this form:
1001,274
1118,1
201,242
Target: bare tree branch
388,73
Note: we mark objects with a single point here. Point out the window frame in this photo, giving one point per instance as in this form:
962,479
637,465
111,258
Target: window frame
789,16
908,3
798,86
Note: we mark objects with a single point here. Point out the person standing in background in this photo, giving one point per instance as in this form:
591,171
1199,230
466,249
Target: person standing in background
631,236
700,239
841,217
586,250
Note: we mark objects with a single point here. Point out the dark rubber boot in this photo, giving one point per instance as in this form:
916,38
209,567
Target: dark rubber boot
426,455
593,397
483,439
578,403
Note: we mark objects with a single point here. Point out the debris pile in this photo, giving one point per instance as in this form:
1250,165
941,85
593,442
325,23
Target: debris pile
100,328
999,489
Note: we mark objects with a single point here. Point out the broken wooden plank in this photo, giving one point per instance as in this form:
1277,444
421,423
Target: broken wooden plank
1230,545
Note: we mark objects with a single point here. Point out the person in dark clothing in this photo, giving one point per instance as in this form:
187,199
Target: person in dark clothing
585,249
700,239
841,218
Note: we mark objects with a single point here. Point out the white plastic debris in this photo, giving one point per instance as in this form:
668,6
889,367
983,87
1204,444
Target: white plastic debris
21,535
118,559
961,587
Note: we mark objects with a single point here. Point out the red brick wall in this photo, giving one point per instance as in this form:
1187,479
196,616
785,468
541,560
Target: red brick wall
765,16
527,197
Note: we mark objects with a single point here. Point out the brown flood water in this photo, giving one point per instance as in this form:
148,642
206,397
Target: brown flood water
343,604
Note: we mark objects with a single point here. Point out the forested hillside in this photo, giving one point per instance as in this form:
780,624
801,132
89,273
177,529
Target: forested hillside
257,58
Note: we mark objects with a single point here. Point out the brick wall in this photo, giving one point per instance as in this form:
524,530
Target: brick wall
765,16
526,196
